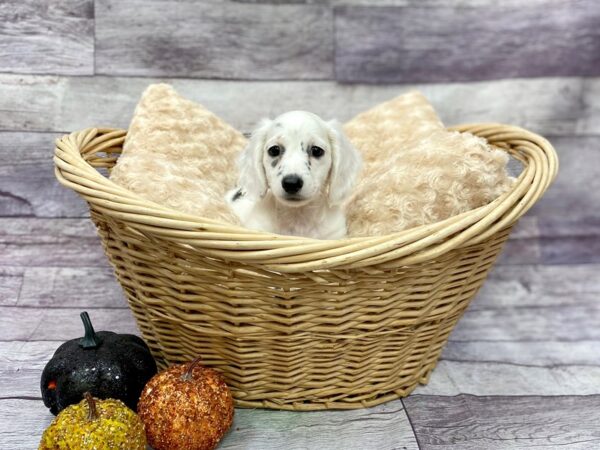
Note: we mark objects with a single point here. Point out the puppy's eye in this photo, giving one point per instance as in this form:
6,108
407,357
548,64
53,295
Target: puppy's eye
317,152
274,151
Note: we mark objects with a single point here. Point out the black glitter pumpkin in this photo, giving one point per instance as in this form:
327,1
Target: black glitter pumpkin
107,364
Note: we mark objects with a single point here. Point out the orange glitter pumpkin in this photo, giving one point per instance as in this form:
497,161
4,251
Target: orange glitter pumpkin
186,407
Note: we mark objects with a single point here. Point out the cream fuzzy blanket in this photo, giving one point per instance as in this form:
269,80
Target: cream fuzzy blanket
415,172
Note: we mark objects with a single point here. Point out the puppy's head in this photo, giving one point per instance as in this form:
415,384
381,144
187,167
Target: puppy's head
299,156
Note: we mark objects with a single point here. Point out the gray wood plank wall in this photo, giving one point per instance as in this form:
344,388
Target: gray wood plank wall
521,370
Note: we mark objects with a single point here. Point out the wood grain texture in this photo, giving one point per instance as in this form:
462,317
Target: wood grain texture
53,36
532,353
22,422
549,106
524,286
196,39
11,280
576,190
49,242
564,322
30,102
467,422
571,240
445,43
28,324
21,365
489,377
28,186
84,287
383,427
553,240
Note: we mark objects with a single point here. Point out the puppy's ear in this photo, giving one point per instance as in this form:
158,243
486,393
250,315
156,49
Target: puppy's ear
345,165
253,179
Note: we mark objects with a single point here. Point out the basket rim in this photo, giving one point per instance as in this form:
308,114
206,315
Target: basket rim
74,153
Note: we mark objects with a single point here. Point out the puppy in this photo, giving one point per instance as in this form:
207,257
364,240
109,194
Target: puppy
295,173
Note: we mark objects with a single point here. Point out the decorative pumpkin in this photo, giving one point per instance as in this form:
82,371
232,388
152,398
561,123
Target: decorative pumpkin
107,364
95,424
186,407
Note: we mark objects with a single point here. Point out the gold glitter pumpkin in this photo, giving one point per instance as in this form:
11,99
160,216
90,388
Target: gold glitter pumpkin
95,424
186,407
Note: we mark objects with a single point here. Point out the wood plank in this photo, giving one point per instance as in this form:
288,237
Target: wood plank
11,280
551,106
21,366
562,322
22,422
214,41
83,287
553,240
55,37
577,186
384,427
561,239
590,89
49,242
28,186
30,102
571,239
540,353
489,376
469,422
420,44
26,324
538,286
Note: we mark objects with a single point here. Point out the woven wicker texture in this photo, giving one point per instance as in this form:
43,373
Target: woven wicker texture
296,323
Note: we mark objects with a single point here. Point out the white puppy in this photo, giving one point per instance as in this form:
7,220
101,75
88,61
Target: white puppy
295,174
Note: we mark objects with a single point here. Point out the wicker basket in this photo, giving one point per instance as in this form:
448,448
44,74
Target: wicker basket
296,323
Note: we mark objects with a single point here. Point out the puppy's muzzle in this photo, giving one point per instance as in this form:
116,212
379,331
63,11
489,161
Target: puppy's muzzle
292,184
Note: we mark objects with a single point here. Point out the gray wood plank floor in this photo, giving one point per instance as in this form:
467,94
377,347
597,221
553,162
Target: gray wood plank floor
522,368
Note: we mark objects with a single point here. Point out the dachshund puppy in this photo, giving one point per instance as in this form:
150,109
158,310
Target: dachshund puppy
295,174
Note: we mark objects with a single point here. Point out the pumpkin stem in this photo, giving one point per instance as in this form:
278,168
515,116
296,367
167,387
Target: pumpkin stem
187,376
92,411
91,339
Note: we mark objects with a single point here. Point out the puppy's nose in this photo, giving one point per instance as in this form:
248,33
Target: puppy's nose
292,183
